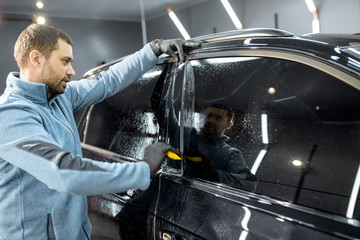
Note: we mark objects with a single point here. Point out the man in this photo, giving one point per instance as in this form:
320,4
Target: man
44,179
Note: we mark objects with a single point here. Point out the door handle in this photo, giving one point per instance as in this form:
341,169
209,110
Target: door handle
170,236
167,236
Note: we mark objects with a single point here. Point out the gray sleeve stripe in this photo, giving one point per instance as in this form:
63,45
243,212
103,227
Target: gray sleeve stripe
57,155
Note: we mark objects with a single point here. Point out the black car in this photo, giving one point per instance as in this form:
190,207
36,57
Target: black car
287,167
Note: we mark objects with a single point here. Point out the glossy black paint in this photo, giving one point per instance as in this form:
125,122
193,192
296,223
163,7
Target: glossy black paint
179,207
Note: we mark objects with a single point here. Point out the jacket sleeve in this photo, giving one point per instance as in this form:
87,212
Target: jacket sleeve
61,171
86,92
237,173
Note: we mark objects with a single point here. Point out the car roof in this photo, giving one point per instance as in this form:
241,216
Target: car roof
319,43
329,38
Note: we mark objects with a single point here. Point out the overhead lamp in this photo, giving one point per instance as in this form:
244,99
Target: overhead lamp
177,23
315,14
232,14
39,4
40,20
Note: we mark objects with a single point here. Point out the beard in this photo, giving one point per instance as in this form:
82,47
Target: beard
209,132
53,81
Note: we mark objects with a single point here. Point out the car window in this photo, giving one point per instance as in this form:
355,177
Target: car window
276,127
124,123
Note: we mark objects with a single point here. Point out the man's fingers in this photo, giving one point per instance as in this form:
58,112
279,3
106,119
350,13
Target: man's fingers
172,54
192,44
164,147
179,46
175,48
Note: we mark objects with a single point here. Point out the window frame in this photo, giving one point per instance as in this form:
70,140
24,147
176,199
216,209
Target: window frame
341,73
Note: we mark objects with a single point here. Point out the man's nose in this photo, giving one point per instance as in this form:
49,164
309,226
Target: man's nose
210,119
70,72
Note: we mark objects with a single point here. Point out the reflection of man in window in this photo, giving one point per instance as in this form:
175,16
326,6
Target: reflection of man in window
218,119
208,155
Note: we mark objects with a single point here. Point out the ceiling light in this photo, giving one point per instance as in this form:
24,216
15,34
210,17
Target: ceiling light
311,6
39,4
232,14
177,23
40,20
316,25
315,13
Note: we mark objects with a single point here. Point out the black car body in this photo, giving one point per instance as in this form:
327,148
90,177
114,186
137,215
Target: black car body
296,104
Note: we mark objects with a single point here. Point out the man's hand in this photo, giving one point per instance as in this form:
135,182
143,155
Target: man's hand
198,164
170,46
155,154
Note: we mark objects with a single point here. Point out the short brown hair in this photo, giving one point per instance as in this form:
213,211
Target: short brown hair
43,38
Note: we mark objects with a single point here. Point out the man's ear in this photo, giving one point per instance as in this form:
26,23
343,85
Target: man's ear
36,58
230,124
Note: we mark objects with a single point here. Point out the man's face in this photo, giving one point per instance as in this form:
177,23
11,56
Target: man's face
216,122
57,69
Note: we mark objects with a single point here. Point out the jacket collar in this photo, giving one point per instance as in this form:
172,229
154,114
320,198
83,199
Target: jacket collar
36,92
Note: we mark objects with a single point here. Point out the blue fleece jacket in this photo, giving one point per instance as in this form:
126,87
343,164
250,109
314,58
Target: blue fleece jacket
39,200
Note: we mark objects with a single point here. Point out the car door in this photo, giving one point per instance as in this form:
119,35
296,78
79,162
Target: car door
117,130
296,125
296,128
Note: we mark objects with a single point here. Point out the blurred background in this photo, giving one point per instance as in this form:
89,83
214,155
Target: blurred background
109,29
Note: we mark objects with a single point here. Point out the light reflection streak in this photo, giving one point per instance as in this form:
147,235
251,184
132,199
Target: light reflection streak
246,219
284,99
244,224
354,62
230,59
337,49
335,58
354,50
354,195
243,235
265,139
257,162
264,129
151,74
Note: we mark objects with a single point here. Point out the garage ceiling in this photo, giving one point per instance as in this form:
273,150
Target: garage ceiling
121,10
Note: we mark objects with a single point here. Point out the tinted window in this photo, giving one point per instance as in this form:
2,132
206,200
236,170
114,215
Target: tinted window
125,122
295,127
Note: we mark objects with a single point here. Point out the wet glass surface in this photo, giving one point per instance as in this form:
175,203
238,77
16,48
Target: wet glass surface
297,130
125,123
